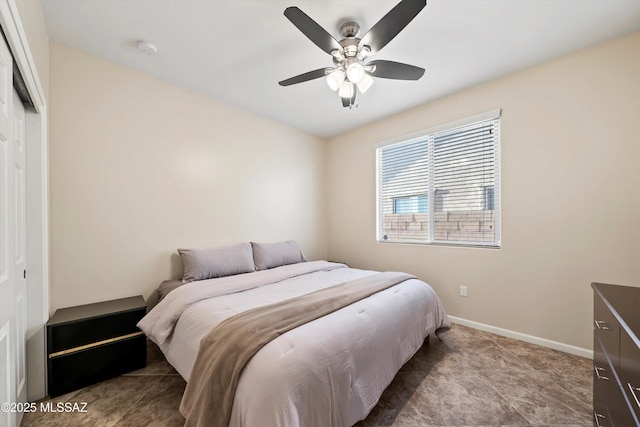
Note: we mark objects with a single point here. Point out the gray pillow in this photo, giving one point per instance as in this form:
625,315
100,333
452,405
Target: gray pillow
167,286
202,264
270,255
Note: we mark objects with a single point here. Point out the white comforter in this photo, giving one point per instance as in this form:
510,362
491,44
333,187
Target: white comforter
328,372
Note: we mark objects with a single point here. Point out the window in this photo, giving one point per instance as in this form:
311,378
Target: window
411,204
442,186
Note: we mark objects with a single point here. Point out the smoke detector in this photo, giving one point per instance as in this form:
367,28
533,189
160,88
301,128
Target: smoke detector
147,48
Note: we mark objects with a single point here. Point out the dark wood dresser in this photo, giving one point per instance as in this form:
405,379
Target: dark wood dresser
91,343
616,356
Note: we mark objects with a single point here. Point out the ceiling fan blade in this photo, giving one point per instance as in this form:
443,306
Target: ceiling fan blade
391,24
311,75
312,29
395,70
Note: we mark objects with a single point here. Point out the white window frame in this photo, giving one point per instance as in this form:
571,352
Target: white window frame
425,135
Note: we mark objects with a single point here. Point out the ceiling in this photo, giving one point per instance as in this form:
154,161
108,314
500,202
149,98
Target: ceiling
236,51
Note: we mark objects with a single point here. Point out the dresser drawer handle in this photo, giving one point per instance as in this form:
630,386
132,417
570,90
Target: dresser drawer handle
600,377
601,324
597,417
633,393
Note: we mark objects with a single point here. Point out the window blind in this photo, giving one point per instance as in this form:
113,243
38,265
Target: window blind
454,173
404,173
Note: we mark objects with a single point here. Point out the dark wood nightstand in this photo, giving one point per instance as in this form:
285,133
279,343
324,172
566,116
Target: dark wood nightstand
91,343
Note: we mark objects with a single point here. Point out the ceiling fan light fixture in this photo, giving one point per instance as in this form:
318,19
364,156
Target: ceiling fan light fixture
355,72
346,90
365,83
335,79
363,53
337,54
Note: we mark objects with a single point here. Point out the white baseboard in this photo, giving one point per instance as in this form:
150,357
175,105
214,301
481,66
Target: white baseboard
578,351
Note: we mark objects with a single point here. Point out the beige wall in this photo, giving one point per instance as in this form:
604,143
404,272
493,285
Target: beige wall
140,167
570,195
32,18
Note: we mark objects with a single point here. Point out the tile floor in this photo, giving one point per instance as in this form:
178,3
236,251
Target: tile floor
468,378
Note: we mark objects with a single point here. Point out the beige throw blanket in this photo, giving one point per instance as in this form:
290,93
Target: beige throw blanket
223,353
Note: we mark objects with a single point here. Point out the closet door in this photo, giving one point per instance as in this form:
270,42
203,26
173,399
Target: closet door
20,250
8,309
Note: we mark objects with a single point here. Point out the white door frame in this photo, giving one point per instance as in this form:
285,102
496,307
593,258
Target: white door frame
37,190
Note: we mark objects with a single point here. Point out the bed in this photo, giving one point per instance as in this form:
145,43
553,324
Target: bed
330,371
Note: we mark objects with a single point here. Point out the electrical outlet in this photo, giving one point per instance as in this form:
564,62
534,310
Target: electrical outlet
463,291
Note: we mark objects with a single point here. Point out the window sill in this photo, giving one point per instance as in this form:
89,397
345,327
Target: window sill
446,244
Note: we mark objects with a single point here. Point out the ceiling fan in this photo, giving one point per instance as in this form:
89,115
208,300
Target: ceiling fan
350,73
